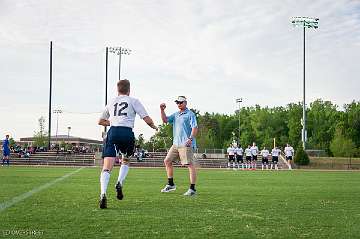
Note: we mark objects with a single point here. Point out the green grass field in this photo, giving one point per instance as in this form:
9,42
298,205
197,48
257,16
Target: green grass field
240,204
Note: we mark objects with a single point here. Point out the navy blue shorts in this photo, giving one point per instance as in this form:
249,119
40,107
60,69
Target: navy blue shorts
6,153
239,158
120,139
231,158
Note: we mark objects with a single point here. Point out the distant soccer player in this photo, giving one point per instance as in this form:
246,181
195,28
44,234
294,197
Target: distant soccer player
248,157
254,153
185,129
239,157
231,156
289,152
6,150
275,152
120,114
265,159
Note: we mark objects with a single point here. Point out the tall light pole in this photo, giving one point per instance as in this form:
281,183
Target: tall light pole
120,51
304,22
50,95
106,82
239,100
57,112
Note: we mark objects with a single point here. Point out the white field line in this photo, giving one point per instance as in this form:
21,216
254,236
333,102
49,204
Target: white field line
11,202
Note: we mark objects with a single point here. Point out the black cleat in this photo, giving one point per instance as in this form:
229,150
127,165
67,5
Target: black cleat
103,201
119,193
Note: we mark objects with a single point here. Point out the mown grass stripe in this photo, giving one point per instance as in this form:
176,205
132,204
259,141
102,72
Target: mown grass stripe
11,202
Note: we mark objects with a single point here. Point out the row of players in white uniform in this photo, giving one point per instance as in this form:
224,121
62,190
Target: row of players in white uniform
235,155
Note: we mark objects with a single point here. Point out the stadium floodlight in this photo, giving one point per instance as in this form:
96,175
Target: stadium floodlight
239,100
119,51
57,112
304,22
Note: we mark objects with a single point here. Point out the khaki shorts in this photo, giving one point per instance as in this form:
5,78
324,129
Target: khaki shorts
185,154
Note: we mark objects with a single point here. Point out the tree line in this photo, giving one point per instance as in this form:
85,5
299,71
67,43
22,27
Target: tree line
335,131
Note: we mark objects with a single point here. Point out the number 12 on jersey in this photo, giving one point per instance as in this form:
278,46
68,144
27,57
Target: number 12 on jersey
122,107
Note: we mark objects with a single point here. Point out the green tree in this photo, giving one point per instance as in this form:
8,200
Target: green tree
342,146
40,137
301,157
293,122
352,121
321,121
12,142
140,141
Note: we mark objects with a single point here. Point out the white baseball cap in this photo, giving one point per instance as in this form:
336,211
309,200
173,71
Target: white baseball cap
180,99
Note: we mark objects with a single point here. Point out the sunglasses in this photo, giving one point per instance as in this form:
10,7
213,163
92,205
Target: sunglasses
179,102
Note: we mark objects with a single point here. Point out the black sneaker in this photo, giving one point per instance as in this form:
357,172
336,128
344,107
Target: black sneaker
119,193
103,201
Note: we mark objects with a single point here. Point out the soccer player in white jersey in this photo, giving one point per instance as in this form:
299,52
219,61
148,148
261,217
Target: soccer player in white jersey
231,156
254,152
265,159
275,152
239,157
289,152
248,157
119,114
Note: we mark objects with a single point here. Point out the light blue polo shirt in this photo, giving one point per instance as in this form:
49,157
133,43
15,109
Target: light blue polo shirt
183,123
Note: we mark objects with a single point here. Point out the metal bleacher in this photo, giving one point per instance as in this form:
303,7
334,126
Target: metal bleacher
56,158
153,159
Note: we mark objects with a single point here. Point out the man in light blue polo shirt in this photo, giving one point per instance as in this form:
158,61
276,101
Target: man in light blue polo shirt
184,132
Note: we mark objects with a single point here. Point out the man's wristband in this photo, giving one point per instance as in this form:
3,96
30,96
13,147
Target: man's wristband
191,138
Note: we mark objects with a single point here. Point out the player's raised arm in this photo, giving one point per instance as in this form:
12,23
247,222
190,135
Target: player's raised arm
163,115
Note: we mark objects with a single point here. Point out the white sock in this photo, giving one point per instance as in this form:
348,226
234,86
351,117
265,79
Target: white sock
122,173
104,181
233,164
276,167
228,165
262,167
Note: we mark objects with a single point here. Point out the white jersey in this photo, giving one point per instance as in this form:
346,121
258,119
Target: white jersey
275,152
121,111
248,152
239,151
265,153
254,150
231,151
289,151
